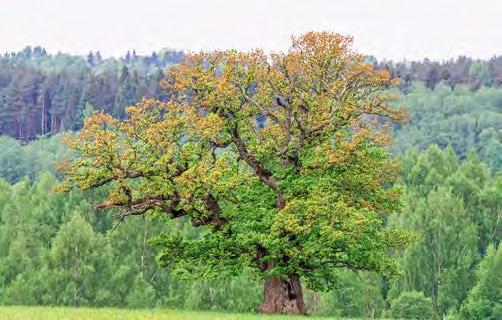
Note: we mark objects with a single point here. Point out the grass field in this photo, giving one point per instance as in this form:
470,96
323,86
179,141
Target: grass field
46,313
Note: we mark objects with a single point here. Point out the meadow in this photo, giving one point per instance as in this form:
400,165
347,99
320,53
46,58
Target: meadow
54,313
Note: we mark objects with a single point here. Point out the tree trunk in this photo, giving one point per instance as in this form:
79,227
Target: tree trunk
283,296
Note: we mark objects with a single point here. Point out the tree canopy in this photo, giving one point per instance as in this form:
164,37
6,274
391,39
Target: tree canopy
295,195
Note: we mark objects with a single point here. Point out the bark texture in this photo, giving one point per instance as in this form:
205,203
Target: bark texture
283,296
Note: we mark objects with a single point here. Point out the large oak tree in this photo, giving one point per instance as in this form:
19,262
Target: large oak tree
280,159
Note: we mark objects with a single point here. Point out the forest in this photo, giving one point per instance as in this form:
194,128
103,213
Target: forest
57,249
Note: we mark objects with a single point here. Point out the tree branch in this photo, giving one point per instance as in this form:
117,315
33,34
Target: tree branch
263,174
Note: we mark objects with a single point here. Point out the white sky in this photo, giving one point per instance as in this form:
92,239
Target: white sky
395,29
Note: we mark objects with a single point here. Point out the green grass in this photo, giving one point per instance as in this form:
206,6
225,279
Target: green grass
47,313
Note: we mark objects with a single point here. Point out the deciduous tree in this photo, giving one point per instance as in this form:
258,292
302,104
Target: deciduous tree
306,192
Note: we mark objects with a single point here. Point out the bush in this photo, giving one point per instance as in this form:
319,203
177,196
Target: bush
412,305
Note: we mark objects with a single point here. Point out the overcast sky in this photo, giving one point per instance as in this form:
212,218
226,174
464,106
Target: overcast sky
395,29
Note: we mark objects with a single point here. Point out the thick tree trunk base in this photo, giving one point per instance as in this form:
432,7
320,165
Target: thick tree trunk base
283,296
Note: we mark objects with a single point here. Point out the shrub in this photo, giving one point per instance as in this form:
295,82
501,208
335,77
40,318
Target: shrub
412,305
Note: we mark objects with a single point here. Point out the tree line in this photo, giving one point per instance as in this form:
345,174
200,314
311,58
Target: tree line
475,73
43,94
